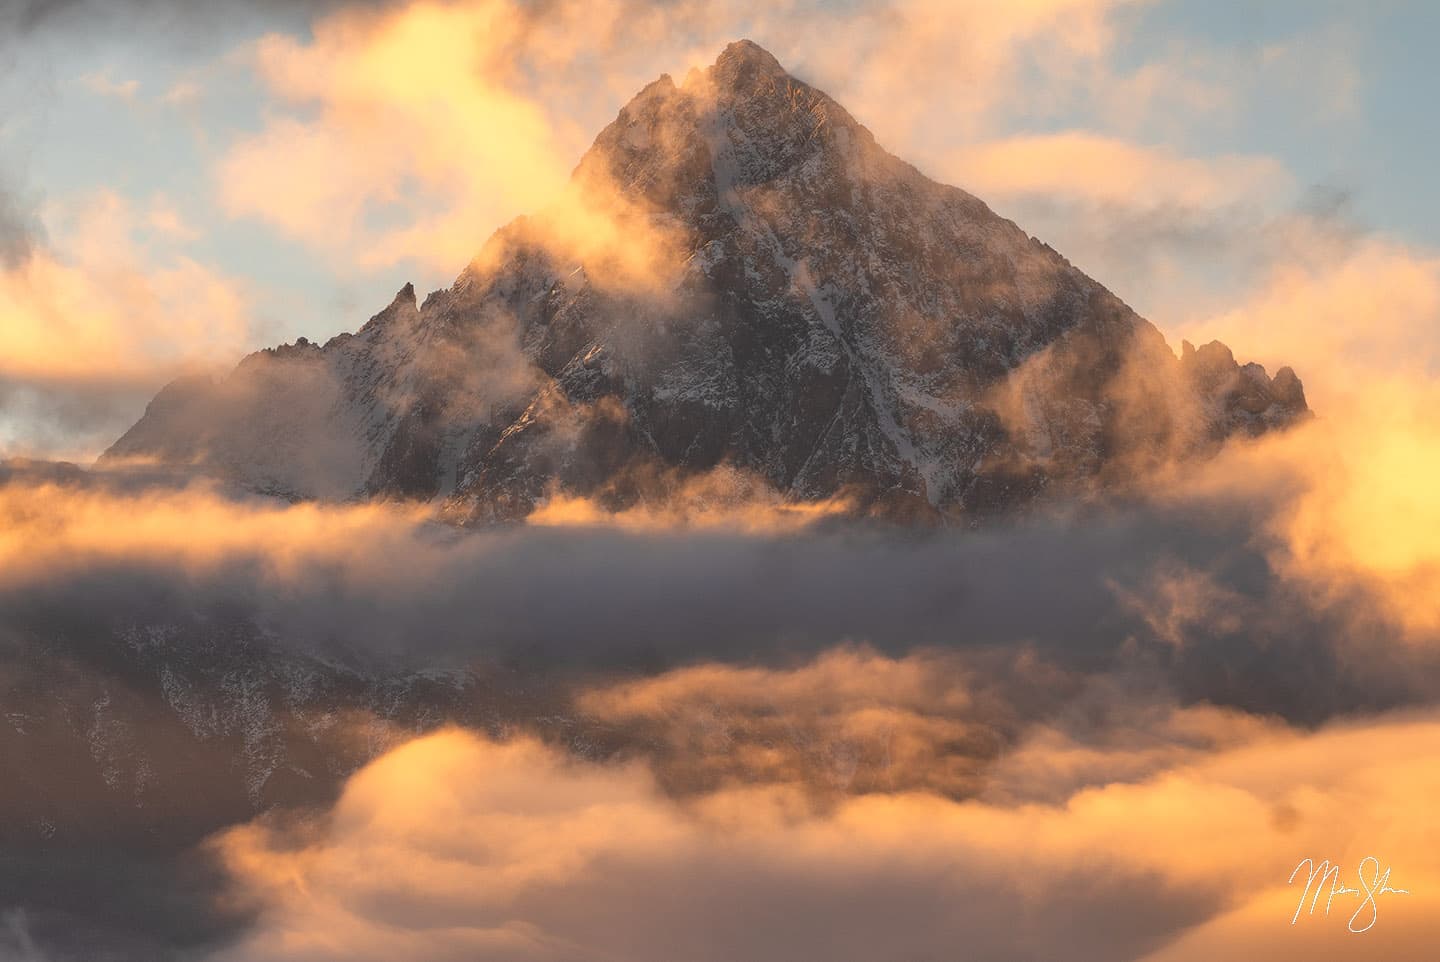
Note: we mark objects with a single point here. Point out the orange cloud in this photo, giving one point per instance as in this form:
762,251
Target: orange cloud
850,720
416,112
112,304
954,723
1355,504
48,528
1092,167
972,55
415,130
722,499
454,846
1347,318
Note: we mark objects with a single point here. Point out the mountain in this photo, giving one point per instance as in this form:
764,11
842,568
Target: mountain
738,277
126,743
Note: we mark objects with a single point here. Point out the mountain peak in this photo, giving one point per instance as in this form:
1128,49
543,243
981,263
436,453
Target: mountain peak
744,62
829,322
739,123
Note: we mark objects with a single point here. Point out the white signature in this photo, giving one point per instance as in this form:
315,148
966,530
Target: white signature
1370,889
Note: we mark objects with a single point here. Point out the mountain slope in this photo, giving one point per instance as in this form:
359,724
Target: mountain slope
738,276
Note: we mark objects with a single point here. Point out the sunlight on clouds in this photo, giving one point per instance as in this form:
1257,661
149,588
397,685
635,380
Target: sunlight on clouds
454,845
955,723
722,499
104,313
49,528
415,112
839,802
414,131
164,217
1363,328
1087,166
110,304
975,58
1346,318
1368,513
428,133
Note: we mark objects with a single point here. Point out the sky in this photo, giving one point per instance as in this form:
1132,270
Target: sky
211,179
1109,733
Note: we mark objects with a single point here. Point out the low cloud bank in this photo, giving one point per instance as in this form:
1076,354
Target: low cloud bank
1206,582
455,846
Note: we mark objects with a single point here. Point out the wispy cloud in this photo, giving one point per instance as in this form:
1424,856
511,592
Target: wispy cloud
105,86
109,307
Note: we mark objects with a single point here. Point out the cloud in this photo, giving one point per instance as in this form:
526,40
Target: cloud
822,739
18,230
67,419
183,93
100,317
1361,320
165,218
102,85
24,18
110,312
53,526
979,59
1351,314
16,945
1345,498
723,499
997,724
1091,167
454,846
378,145
1181,253
387,119
1351,502
384,581
1026,697
408,106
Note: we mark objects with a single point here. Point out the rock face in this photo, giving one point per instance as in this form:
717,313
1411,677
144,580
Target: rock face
767,290
125,746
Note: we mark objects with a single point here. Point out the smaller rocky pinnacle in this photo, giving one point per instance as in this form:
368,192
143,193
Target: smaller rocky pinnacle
1287,388
402,304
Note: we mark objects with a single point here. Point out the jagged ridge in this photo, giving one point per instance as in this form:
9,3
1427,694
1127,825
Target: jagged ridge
825,318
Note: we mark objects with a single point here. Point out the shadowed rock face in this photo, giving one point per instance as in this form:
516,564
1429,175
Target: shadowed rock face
811,310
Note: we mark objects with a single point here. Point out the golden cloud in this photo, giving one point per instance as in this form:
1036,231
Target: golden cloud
455,846
723,499
413,131
114,306
1346,318
415,111
1354,488
1080,165
850,719
955,723
48,528
1352,502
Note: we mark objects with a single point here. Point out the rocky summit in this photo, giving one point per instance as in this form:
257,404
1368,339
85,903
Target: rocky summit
742,279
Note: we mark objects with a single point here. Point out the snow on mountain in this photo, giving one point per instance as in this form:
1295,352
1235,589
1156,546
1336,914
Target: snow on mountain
820,315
